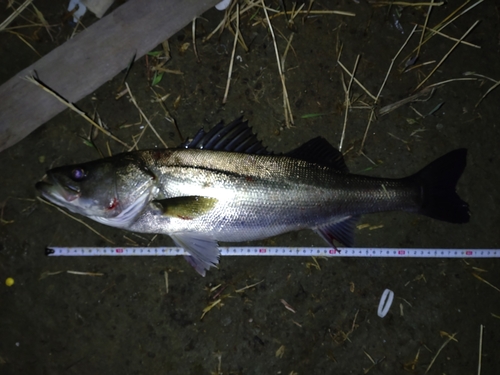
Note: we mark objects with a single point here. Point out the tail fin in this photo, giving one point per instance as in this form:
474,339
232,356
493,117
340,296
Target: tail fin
438,181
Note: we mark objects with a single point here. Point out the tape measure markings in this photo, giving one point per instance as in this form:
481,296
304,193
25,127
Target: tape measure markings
280,251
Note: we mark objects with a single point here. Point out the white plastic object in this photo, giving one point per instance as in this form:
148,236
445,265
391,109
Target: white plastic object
223,5
385,303
79,12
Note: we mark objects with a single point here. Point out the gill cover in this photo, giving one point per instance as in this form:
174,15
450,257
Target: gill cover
112,190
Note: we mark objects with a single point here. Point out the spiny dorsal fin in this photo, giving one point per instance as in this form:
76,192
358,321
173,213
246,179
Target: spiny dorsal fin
234,137
238,137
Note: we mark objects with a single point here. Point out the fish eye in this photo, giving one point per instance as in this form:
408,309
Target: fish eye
78,174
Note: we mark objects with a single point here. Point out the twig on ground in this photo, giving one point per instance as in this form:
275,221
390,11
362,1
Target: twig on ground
372,113
76,219
74,108
144,116
13,16
286,102
447,54
452,337
347,102
231,62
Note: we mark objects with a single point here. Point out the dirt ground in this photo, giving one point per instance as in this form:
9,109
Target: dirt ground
125,322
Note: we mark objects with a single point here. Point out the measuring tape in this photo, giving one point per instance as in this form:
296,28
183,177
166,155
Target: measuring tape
280,251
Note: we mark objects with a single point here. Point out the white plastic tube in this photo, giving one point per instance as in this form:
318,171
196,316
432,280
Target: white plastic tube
385,303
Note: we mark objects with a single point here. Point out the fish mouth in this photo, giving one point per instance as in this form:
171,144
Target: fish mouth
54,192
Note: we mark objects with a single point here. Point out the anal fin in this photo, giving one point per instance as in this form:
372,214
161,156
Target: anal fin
341,230
203,250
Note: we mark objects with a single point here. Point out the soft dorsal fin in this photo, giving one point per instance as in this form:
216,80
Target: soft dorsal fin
234,137
319,151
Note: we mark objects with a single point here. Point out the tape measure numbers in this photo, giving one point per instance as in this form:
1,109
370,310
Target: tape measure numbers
280,251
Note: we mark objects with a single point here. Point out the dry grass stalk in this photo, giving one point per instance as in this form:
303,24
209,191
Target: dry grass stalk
240,40
444,23
347,103
295,13
286,102
144,116
165,70
405,3
452,337
228,25
451,80
425,27
428,90
280,352
194,40
316,12
210,307
447,54
449,37
287,306
410,366
446,334
487,92
76,219
481,329
231,62
369,357
250,4
43,21
14,14
356,80
315,264
24,41
288,46
137,138
353,326
85,273
71,106
486,282
165,273
413,67
248,286
413,98
447,21
309,8
227,20
168,116
480,76
48,273
374,363
372,113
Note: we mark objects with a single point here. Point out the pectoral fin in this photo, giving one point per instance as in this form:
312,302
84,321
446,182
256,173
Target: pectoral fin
187,208
203,250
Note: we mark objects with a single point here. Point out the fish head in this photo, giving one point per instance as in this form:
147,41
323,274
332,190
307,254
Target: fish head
112,191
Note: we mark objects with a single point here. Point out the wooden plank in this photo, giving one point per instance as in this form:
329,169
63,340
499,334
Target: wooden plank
82,64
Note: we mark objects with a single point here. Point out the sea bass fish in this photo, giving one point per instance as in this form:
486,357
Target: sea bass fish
224,185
